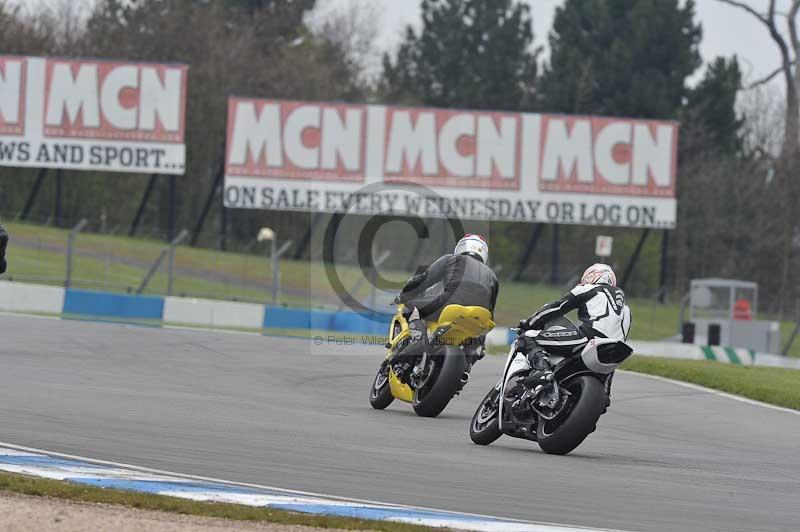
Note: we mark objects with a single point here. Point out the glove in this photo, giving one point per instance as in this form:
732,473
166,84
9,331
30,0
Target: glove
526,344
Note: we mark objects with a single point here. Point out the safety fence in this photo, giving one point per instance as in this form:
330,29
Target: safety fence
193,312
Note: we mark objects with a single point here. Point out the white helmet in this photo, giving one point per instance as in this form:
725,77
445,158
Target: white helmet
474,246
599,274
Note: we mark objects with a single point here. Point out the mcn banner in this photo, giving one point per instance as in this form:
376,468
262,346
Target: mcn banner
92,115
477,165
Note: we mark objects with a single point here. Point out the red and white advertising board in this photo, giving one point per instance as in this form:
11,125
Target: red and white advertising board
92,115
327,157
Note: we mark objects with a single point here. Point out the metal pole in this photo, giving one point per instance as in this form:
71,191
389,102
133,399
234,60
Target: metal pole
788,346
26,210
209,201
275,270
662,283
634,258
223,227
530,247
173,201
142,204
70,246
171,258
151,271
303,244
57,206
554,258
446,236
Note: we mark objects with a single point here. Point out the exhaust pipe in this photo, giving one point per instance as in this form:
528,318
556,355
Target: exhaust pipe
464,378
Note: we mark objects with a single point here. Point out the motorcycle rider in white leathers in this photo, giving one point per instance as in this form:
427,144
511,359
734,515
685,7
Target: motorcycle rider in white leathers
601,310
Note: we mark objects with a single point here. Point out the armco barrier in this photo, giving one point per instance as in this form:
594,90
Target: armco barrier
209,313
323,320
113,306
32,298
290,318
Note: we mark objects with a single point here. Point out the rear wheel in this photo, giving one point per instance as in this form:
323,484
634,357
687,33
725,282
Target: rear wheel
433,396
485,426
579,418
380,395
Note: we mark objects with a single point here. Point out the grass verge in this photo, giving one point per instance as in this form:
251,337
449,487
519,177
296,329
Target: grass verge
777,386
75,492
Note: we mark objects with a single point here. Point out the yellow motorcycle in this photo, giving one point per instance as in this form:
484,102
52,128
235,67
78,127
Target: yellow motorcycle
430,379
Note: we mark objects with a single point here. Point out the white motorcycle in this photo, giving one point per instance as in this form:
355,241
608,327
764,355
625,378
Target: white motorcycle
561,411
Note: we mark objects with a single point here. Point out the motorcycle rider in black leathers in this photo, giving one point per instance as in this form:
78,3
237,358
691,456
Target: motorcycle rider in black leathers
461,278
602,313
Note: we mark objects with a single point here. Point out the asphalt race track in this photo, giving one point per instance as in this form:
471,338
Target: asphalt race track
290,414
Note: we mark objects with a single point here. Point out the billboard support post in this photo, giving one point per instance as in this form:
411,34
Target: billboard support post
664,270
554,258
57,199
173,200
142,204
530,247
446,236
309,234
215,185
37,185
634,258
223,228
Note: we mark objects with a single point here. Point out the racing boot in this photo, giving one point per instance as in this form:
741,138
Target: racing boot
608,391
417,345
543,375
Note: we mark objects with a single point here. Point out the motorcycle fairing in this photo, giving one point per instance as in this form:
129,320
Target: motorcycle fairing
456,325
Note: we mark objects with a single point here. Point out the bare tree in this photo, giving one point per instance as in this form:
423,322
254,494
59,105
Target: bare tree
353,30
790,54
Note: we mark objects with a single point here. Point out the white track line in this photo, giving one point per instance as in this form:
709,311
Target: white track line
715,392
555,527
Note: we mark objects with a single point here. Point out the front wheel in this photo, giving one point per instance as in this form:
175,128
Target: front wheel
442,385
380,395
579,419
485,426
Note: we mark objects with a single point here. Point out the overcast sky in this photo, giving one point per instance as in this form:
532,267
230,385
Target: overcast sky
726,30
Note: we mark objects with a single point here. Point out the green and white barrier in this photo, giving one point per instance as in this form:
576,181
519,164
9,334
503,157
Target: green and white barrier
726,355
729,355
